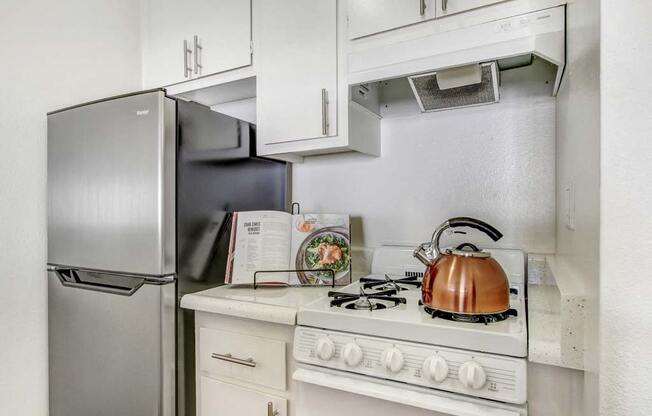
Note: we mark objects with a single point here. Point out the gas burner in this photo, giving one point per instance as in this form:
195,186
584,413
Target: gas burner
388,283
469,318
366,301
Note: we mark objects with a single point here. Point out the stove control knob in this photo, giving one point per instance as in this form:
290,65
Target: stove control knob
392,359
325,348
435,368
352,354
472,375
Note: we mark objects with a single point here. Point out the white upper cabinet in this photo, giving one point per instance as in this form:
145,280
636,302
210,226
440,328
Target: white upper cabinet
193,38
225,37
367,17
165,27
297,71
448,7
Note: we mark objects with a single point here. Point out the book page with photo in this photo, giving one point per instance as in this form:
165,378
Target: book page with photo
320,242
315,247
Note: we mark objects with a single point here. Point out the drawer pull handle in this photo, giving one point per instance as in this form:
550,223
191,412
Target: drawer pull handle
270,409
249,362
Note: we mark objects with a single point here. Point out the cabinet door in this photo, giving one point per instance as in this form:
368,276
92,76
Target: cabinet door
166,26
297,78
218,398
448,7
223,29
367,17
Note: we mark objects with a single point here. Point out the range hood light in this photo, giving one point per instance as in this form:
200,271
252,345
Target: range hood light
459,88
459,77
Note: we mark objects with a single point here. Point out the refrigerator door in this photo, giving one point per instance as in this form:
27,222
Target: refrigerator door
111,185
111,344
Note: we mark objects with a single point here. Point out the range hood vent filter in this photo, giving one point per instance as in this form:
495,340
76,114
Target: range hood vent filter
431,97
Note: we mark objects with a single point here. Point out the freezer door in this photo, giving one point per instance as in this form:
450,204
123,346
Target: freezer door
111,345
111,185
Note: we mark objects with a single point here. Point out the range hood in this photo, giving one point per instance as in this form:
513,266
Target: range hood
504,43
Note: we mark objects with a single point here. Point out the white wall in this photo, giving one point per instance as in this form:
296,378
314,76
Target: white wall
493,162
626,209
578,168
52,54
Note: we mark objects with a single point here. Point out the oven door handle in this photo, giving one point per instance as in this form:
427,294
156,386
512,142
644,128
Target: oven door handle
432,402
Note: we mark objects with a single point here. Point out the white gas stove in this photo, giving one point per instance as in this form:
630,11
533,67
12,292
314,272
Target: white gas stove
375,332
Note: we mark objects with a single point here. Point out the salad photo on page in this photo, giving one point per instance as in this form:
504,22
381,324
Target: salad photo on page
321,242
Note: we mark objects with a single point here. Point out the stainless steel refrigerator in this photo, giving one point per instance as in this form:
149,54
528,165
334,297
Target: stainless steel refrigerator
140,188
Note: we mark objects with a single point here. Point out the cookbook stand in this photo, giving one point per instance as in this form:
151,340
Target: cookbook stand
294,209
282,284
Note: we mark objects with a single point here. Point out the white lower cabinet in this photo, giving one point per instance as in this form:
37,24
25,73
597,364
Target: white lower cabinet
224,399
244,357
243,367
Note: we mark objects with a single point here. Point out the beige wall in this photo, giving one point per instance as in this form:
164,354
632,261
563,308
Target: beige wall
626,209
52,54
578,173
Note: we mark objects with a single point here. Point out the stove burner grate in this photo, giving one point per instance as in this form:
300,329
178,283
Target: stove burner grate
388,283
469,318
364,301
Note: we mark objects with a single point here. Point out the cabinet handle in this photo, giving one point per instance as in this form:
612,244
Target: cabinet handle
248,362
324,111
198,50
187,70
422,7
444,5
270,409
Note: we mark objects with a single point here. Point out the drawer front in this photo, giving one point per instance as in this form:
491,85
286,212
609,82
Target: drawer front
224,399
244,357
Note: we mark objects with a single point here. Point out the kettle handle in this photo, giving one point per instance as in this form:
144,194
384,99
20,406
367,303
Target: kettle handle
493,233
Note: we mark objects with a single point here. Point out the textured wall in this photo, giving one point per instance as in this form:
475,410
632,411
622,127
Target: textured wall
626,207
493,162
52,54
578,169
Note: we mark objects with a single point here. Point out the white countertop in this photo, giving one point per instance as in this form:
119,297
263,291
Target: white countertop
270,304
556,314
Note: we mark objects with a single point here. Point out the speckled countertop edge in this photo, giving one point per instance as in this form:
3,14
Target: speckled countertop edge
555,319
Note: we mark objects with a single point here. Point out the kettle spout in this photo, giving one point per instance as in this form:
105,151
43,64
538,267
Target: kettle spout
424,253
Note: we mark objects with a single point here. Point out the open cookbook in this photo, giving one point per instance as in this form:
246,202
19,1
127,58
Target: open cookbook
298,249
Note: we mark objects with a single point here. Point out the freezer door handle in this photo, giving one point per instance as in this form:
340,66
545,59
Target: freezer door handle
115,284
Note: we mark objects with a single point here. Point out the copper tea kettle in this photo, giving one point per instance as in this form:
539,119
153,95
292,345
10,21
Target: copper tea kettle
464,280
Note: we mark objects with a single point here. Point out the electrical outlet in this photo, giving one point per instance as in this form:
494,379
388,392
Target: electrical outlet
569,204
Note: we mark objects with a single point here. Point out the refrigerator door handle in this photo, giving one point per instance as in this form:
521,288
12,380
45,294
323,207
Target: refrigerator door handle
103,282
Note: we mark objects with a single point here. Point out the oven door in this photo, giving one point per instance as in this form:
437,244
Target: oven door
324,392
